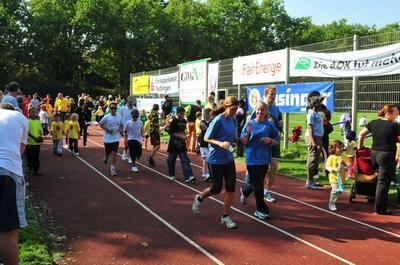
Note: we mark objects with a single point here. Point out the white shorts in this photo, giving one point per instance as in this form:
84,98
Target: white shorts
204,152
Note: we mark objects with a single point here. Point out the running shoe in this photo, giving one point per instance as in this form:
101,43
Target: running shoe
207,178
261,215
135,169
129,160
114,172
312,186
332,207
190,179
172,178
105,159
196,205
124,157
151,162
228,222
77,153
268,196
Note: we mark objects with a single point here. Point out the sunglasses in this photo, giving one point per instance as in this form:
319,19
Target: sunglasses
113,108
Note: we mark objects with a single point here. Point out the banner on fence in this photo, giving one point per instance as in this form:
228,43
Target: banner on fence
213,69
164,84
147,103
372,62
140,85
292,98
259,68
192,81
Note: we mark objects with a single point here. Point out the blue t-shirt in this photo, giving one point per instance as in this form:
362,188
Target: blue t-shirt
316,122
258,153
221,129
275,114
275,125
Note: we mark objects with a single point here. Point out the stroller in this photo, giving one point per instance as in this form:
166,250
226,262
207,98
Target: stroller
365,175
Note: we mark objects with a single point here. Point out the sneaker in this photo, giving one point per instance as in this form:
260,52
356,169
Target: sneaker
207,178
261,215
114,172
332,207
268,197
135,169
196,205
77,153
123,157
129,160
151,162
243,199
312,186
190,179
105,159
171,178
228,222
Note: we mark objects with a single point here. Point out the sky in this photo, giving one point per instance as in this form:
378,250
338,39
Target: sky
366,12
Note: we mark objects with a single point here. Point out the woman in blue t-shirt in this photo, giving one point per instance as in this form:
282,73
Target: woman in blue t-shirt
258,136
221,135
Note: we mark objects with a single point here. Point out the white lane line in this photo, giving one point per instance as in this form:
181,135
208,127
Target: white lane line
322,209
187,239
246,214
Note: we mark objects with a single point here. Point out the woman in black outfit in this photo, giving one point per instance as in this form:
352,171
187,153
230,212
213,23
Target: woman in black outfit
385,134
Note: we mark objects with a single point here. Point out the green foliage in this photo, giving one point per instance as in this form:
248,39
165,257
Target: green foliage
81,45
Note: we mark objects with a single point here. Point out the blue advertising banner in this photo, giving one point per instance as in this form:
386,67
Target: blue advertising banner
292,98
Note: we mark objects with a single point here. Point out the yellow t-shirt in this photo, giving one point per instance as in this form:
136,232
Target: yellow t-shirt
56,129
62,105
333,161
146,127
197,125
72,129
49,109
35,129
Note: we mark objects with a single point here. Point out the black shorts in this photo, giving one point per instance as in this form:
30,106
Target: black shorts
111,147
276,151
9,219
223,173
155,139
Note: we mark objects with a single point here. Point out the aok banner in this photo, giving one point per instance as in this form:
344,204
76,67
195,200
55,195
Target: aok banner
260,68
372,62
292,98
140,85
193,81
164,84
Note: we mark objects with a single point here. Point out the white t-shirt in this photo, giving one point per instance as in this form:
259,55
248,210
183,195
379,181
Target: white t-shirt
44,117
114,124
13,132
133,130
125,113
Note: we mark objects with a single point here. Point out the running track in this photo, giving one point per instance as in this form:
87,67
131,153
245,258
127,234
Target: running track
144,218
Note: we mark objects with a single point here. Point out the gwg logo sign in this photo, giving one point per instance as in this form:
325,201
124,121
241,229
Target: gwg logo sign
189,75
303,63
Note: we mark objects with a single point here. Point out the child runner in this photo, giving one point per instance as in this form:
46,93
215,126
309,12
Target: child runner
34,141
154,134
336,165
203,144
133,138
44,119
146,131
126,115
258,136
221,135
56,129
65,129
177,146
73,133
113,127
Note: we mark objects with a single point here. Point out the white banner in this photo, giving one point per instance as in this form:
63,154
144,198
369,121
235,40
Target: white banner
372,62
213,70
164,84
147,103
192,81
259,68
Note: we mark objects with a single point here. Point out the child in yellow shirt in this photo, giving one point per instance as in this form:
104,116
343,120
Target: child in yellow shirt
146,128
56,130
73,132
336,165
33,144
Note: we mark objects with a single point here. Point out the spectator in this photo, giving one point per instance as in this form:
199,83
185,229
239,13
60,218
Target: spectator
385,133
12,93
166,106
191,111
13,139
62,105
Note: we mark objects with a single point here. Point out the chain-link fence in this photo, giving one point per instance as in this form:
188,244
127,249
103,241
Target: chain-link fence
373,91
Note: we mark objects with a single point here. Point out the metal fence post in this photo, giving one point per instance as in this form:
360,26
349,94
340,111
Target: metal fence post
286,114
354,96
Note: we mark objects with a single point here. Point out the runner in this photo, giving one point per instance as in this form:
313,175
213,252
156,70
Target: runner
154,134
133,138
126,115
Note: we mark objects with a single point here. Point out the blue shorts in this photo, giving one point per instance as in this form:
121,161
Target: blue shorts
12,201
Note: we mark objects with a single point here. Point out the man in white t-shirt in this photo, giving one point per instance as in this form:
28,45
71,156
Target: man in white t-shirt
13,138
113,128
126,115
